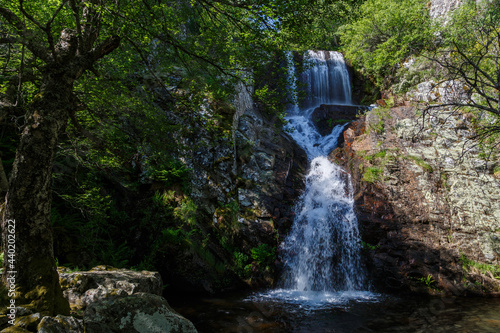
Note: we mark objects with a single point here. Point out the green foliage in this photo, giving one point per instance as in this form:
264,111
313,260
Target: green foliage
186,211
320,24
468,265
241,266
421,163
385,34
373,174
368,246
468,53
496,171
428,280
332,122
263,255
113,255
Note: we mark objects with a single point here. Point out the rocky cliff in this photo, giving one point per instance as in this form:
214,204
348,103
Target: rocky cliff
427,201
440,8
245,187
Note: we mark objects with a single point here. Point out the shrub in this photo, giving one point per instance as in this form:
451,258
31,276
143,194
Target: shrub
386,33
373,174
263,255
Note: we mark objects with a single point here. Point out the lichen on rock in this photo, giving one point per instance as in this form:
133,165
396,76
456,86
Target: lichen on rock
142,313
434,204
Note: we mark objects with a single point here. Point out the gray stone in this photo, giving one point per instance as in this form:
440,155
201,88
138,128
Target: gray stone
61,324
138,313
83,288
29,322
441,8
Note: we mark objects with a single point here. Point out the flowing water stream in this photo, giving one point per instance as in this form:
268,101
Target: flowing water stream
322,251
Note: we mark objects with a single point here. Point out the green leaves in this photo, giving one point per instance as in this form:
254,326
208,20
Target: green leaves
386,33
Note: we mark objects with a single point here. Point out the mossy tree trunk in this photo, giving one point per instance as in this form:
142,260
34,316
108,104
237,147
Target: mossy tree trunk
28,200
29,197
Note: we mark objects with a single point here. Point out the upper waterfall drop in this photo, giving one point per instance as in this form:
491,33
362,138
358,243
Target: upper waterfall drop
327,79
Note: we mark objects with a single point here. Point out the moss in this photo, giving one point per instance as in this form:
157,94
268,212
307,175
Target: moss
373,174
29,322
46,296
15,329
421,163
380,155
496,171
468,265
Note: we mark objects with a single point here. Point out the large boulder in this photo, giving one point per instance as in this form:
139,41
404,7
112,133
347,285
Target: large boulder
83,288
138,313
61,324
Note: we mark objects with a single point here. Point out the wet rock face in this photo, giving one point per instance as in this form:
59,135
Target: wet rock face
271,176
326,117
427,201
245,188
139,313
61,324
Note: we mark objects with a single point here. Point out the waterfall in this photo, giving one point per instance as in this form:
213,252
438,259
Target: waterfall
321,253
327,79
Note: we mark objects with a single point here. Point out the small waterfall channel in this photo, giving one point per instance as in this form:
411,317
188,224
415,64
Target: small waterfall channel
322,251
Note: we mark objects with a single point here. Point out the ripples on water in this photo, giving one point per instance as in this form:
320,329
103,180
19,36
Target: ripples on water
312,300
359,312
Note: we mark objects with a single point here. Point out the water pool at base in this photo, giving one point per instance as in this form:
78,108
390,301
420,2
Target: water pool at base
285,311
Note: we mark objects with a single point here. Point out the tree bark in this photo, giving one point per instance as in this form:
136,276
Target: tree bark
28,201
4,184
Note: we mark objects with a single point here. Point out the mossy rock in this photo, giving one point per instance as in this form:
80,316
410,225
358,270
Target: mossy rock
61,324
140,312
14,329
29,322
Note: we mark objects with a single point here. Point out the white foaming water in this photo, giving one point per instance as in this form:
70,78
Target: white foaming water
327,79
322,251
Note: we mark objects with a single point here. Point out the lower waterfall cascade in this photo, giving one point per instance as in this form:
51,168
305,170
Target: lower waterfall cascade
321,253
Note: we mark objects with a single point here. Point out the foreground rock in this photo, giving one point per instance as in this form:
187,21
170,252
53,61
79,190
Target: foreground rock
427,202
85,287
142,313
114,300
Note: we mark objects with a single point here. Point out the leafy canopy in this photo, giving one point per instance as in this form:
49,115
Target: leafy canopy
385,34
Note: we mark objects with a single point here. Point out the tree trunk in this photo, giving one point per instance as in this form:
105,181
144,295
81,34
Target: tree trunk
4,184
28,200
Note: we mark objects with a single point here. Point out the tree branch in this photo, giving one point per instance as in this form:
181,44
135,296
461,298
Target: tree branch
76,15
26,35
105,48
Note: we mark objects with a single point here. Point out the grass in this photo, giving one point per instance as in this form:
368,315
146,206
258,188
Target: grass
468,265
421,163
381,154
373,174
